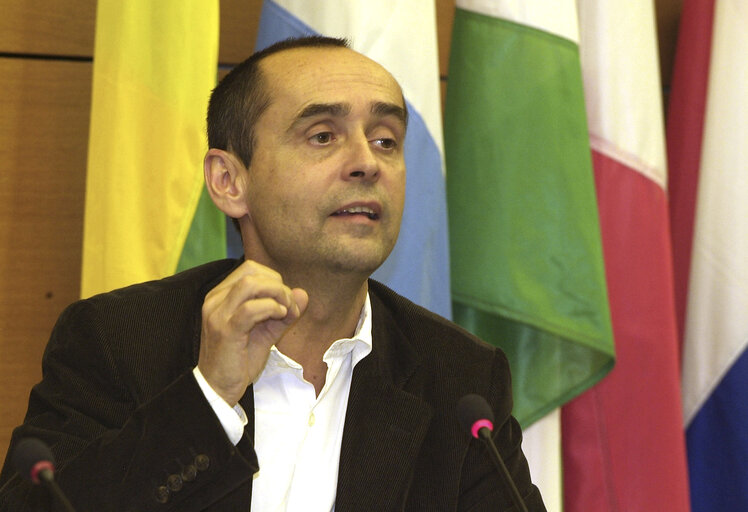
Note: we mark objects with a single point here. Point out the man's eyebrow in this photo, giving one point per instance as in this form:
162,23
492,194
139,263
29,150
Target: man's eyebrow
379,109
316,109
383,109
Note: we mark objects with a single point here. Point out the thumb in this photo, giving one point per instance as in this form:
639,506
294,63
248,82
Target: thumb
300,301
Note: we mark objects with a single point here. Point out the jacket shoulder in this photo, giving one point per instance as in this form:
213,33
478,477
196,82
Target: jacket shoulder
434,338
150,328
145,305
194,280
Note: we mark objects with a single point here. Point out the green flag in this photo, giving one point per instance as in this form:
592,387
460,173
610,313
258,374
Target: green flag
526,255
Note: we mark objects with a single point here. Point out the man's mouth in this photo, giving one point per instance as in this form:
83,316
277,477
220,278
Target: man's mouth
358,210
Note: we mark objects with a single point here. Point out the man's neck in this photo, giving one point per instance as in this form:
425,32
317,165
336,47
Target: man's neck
333,313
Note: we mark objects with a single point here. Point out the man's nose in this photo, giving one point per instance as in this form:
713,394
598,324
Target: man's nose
361,160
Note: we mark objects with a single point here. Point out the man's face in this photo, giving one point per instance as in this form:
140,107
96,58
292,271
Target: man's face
326,185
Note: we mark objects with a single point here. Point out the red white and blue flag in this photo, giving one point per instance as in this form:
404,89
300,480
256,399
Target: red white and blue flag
708,152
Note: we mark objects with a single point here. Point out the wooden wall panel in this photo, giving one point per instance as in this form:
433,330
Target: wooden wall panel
53,28
48,27
239,20
668,18
43,137
44,112
445,14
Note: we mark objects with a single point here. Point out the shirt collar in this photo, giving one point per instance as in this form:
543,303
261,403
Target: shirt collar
360,344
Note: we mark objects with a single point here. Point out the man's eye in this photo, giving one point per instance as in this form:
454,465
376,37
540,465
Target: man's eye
321,138
386,143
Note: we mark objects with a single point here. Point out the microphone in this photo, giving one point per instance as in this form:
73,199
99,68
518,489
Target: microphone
33,460
476,417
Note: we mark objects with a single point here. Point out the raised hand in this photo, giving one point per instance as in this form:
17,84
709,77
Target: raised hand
242,318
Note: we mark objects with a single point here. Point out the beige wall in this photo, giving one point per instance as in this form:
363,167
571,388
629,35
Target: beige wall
46,50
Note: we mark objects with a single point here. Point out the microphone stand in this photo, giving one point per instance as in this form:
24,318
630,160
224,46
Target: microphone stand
46,477
485,436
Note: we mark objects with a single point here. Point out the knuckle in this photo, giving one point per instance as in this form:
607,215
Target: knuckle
247,281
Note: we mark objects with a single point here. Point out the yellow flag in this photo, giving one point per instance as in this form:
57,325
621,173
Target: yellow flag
155,63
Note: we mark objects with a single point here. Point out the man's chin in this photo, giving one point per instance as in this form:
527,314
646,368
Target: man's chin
358,260
358,266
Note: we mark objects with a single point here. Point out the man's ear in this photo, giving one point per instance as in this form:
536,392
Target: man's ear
225,178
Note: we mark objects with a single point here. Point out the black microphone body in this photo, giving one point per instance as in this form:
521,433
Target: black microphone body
34,461
476,417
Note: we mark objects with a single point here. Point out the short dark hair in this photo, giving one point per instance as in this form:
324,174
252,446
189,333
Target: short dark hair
240,98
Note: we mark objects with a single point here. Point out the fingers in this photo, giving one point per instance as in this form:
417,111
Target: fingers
250,280
243,317
300,300
242,293
262,290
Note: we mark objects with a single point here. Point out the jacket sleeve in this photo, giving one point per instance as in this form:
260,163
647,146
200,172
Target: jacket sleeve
481,486
117,446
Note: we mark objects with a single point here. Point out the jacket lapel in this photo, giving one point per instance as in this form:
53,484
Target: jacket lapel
385,424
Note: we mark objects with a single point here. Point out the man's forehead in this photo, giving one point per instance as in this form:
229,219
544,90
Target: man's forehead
304,55
317,69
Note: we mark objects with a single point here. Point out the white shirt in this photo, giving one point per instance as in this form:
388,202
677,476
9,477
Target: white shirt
297,434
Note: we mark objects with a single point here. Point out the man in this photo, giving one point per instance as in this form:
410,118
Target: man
287,381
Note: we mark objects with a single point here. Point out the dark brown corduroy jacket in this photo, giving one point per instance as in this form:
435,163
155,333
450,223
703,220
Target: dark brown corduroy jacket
131,430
